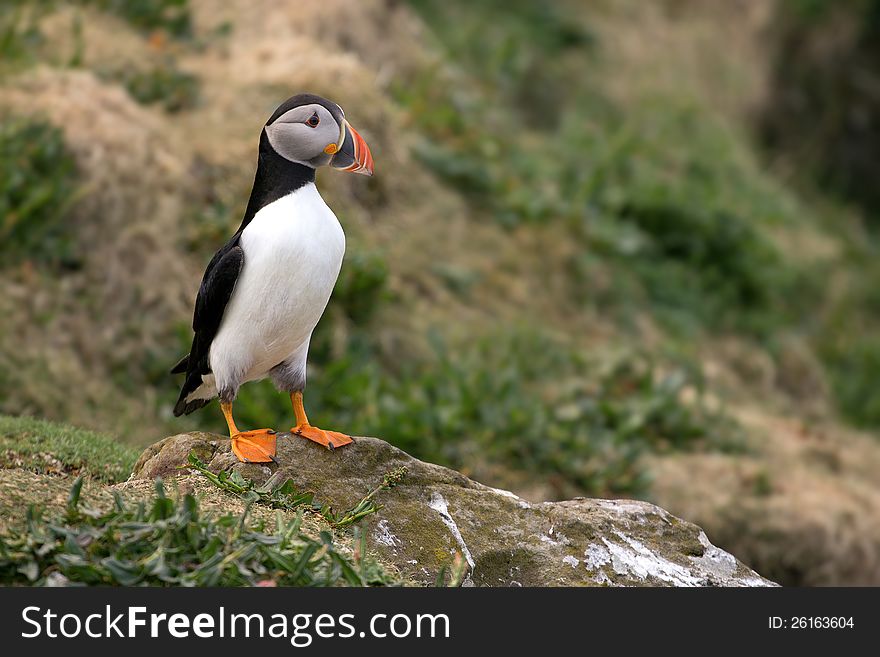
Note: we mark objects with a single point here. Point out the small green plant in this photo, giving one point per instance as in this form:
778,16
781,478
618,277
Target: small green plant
361,287
170,543
172,16
827,65
280,493
274,493
174,89
19,33
854,366
367,505
516,49
465,172
673,204
37,188
713,264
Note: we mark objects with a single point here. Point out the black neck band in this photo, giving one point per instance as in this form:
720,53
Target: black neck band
276,177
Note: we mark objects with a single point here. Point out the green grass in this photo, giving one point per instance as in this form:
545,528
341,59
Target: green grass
824,76
506,45
854,366
42,446
171,16
672,202
171,543
37,187
19,35
674,213
361,288
166,85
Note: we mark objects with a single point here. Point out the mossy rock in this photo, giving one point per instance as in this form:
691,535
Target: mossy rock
437,512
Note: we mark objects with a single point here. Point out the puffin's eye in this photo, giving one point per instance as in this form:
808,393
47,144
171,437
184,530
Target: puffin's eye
313,121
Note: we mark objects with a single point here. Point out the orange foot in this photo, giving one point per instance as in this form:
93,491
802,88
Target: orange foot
329,439
257,446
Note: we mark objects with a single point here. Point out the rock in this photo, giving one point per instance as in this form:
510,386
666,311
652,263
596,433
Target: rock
164,458
437,512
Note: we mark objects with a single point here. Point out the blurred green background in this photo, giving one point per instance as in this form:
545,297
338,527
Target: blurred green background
611,248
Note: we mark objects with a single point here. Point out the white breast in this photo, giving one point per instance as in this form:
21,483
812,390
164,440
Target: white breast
293,251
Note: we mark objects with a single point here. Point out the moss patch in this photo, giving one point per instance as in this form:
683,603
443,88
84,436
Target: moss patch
51,448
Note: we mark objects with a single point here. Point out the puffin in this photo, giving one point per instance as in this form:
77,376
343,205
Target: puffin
264,291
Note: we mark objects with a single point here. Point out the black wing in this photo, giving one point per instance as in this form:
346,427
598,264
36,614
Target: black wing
214,294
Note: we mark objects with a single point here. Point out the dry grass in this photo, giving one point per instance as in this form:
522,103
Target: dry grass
712,53
802,509
65,336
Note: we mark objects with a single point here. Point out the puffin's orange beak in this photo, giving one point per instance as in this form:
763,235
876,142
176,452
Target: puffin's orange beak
354,154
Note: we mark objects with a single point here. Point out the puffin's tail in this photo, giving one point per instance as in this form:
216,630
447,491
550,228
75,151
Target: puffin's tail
186,406
192,383
183,407
181,366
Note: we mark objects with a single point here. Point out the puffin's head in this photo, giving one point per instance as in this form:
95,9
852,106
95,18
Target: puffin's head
311,130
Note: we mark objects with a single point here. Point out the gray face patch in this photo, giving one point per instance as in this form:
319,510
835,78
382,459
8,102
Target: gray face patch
294,139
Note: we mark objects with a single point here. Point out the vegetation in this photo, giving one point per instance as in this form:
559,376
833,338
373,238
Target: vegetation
37,187
48,447
282,494
816,41
170,543
171,16
173,89
661,192
825,67
855,367
19,35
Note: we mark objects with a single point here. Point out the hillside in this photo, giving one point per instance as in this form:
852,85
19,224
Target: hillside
576,271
